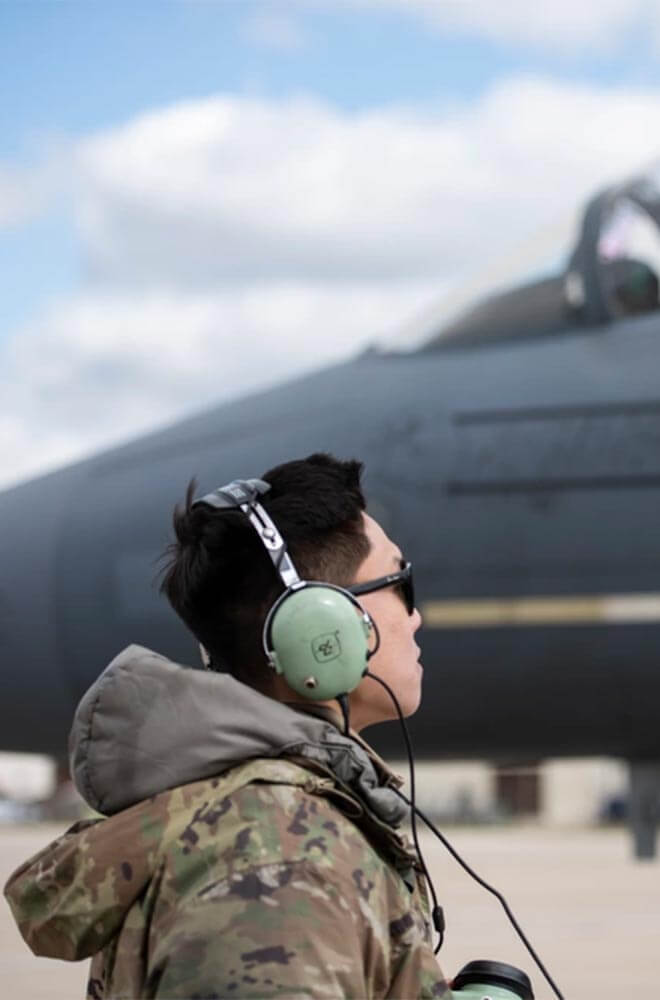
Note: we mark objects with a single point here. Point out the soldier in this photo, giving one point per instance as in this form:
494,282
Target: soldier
251,845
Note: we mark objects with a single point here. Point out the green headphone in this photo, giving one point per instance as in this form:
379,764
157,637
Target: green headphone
316,635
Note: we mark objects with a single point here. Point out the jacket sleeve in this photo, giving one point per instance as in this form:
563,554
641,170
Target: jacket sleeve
293,929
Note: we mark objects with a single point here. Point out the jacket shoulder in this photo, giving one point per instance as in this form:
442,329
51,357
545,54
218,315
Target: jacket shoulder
270,885
269,813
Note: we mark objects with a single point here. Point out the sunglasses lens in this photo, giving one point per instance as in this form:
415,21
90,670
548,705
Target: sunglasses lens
408,591
402,582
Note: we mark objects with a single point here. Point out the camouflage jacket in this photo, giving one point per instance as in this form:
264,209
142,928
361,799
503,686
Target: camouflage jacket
282,875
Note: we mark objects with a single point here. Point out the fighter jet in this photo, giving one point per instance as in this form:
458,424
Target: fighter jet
515,456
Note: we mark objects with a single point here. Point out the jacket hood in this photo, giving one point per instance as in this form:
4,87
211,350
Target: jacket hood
148,724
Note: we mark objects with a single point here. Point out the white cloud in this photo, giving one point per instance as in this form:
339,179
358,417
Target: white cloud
231,242
564,24
232,190
251,188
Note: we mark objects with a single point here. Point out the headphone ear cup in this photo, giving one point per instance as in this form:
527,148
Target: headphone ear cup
317,637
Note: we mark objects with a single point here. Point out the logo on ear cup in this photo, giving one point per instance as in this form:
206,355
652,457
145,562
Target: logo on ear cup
326,647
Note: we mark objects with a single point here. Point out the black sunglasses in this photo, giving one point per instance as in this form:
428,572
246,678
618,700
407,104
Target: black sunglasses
403,580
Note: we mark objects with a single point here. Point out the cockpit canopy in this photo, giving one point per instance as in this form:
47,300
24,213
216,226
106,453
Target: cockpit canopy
611,272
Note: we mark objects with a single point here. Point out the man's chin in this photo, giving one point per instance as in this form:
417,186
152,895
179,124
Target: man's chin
410,706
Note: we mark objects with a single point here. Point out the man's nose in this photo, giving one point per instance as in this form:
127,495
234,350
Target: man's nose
417,618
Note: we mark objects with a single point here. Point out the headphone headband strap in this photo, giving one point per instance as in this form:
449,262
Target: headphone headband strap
244,494
272,542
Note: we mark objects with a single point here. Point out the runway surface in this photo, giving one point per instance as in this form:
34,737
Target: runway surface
590,910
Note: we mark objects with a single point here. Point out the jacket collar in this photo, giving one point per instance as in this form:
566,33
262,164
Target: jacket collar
148,724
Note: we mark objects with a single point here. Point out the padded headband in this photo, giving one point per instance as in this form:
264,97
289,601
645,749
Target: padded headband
244,494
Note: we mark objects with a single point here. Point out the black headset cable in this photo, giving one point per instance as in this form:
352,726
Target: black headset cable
415,811
437,911
343,704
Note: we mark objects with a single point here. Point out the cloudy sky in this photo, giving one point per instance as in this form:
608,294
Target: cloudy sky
199,197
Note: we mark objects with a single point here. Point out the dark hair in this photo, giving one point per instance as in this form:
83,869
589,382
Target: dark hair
219,578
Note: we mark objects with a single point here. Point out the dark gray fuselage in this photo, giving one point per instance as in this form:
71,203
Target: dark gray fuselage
517,469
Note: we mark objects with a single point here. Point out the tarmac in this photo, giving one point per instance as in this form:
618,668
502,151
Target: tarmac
589,909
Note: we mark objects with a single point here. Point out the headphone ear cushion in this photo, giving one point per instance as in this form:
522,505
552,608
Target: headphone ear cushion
318,640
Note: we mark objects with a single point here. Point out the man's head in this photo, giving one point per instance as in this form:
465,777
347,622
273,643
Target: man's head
220,580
